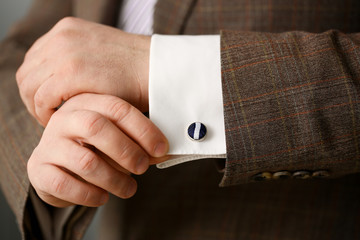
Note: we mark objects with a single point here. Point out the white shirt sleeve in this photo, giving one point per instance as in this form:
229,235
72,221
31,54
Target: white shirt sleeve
185,87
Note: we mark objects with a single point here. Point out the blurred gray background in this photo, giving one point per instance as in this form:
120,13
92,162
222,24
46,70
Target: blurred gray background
10,12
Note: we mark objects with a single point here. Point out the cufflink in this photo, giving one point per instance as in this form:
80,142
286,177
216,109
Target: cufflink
197,131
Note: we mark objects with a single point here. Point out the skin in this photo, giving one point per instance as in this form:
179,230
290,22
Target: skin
94,142
77,56
89,148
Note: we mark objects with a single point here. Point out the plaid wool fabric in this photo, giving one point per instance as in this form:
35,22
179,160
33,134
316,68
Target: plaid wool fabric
291,80
291,85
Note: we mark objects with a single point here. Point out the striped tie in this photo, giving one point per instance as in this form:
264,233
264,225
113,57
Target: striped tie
136,16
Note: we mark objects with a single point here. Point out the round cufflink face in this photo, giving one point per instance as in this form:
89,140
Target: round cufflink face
197,131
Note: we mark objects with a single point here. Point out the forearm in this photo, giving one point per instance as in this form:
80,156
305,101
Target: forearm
291,103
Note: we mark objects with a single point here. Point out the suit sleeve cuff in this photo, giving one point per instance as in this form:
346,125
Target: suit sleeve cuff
185,87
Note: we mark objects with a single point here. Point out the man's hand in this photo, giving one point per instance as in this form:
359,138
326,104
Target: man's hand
76,57
89,147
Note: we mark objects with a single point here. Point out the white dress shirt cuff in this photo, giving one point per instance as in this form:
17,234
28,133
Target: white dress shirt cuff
185,87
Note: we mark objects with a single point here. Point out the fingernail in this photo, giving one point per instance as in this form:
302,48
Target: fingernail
131,188
160,149
142,164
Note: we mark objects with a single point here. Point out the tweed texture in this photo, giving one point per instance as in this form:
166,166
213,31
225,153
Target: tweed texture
291,100
14,152
211,16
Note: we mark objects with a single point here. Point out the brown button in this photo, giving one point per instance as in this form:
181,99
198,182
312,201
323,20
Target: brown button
262,176
321,174
301,174
282,175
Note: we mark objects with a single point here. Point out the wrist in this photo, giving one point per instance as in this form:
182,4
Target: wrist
143,44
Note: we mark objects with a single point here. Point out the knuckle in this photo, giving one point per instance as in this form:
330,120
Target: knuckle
39,99
123,191
85,196
31,171
35,161
74,66
56,119
66,22
19,76
29,53
58,185
65,31
40,186
94,123
119,109
35,44
32,160
126,152
30,166
63,38
46,197
88,163
25,89
144,131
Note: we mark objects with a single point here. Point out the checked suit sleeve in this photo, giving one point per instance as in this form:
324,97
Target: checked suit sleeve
291,102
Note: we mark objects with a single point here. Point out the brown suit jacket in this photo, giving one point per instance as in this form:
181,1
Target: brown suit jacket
291,89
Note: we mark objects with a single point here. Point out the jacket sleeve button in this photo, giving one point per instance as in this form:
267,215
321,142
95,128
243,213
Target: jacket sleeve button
282,175
301,174
321,174
262,176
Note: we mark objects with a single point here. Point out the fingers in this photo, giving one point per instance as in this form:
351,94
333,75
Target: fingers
50,94
56,202
96,130
90,167
88,149
157,160
127,118
113,127
29,87
45,102
60,189
40,62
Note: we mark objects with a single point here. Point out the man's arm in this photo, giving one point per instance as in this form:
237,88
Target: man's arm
291,103
287,118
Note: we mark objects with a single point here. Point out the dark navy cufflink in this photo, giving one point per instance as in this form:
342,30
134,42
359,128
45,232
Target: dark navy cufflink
197,131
